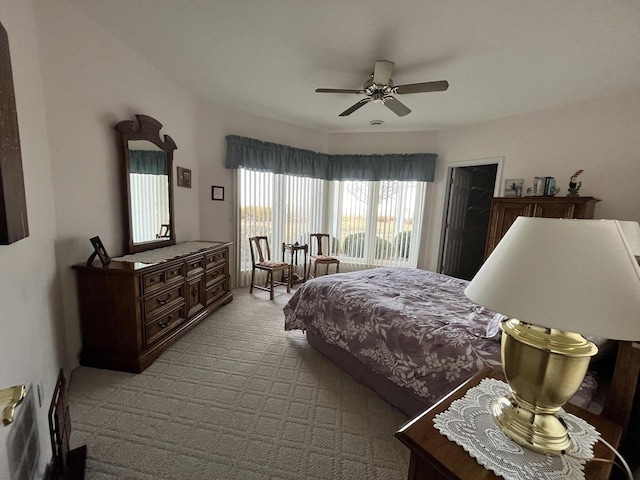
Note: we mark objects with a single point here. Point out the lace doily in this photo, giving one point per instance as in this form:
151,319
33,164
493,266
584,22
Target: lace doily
166,253
469,423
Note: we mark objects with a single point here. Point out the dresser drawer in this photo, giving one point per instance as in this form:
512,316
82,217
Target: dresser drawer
161,326
161,278
195,265
216,274
214,258
216,292
164,300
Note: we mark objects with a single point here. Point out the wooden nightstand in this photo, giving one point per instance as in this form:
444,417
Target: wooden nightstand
433,456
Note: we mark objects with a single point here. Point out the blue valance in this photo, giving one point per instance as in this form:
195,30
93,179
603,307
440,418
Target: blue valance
150,162
254,154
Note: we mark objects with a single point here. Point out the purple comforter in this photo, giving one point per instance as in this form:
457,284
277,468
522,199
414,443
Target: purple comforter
415,327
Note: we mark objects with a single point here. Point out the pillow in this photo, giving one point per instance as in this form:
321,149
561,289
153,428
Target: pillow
493,328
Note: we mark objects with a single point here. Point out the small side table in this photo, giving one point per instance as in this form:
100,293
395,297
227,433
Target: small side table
293,249
434,456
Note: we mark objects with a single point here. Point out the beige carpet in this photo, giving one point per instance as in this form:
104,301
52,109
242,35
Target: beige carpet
236,398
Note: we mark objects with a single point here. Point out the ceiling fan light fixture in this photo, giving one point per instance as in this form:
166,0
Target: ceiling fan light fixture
379,88
376,123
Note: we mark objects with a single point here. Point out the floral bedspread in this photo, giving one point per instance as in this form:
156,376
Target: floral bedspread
415,327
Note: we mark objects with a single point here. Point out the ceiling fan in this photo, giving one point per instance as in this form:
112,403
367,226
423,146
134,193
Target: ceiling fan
379,89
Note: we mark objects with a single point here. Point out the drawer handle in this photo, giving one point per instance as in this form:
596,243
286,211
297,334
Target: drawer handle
165,324
165,301
195,265
152,280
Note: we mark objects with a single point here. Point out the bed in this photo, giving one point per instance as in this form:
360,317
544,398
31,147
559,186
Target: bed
409,334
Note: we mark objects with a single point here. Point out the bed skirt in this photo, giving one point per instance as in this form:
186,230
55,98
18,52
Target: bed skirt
400,398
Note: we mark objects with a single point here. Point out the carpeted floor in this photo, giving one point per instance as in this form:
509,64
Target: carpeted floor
236,398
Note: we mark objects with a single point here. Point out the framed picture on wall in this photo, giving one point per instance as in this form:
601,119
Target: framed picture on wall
513,187
184,177
217,193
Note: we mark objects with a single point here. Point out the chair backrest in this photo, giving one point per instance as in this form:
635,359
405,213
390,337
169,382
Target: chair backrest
259,249
322,244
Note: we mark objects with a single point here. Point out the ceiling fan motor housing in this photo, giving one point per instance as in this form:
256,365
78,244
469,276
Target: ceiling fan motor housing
372,89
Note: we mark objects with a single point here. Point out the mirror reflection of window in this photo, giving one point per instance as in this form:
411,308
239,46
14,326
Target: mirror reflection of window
149,183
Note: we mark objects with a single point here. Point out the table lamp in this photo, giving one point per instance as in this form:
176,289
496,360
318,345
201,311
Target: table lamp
554,277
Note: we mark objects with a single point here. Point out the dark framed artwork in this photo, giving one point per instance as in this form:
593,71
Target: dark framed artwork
184,177
100,251
217,193
13,201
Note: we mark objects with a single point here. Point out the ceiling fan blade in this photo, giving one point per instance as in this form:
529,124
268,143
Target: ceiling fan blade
355,107
438,86
396,106
337,90
382,72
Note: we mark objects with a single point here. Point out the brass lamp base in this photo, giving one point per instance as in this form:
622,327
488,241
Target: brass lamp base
544,368
542,432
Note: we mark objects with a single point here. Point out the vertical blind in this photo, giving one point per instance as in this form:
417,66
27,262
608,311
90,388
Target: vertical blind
149,204
371,223
281,207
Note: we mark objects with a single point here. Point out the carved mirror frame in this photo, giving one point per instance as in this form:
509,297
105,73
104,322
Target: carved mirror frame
145,128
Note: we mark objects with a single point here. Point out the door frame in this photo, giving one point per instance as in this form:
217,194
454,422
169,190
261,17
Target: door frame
499,161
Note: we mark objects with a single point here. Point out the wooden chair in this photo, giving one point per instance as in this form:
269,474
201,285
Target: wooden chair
261,260
321,255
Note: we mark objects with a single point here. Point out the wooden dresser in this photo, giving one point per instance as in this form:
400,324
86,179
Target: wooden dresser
505,210
131,311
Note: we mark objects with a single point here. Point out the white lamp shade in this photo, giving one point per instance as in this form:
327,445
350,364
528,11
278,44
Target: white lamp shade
574,275
631,232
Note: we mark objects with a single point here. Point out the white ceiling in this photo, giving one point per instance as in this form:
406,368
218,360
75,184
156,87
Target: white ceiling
501,57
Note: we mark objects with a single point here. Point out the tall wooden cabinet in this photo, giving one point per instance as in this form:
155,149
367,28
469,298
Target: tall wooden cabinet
131,311
504,212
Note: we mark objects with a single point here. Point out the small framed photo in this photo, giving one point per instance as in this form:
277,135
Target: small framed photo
217,193
100,251
513,187
184,177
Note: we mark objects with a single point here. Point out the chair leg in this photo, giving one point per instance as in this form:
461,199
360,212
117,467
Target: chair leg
338,267
289,279
271,291
253,273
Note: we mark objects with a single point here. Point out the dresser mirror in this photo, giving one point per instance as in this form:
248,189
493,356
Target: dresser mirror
148,184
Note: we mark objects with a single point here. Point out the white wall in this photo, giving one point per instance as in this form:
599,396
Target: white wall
32,342
92,81
600,136
381,143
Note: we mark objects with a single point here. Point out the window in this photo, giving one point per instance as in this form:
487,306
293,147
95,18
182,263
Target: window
378,223
371,223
